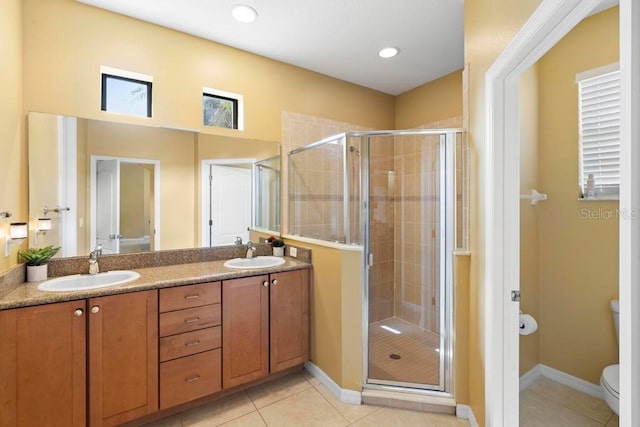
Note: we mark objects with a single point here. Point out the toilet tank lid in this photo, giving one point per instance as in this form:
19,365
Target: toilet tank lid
615,305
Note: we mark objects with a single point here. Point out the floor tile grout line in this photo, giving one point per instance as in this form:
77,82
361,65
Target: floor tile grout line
571,409
338,409
333,406
285,397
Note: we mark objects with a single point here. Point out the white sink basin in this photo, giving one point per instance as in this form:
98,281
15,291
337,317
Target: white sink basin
256,262
83,282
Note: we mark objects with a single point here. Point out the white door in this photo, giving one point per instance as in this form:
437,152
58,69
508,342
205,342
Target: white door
108,206
230,206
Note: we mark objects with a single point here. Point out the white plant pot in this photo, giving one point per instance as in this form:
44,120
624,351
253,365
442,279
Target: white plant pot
36,273
278,251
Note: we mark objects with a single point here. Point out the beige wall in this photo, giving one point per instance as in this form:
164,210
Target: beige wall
134,192
175,150
13,172
71,41
529,282
578,253
432,102
461,283
489,25
43,166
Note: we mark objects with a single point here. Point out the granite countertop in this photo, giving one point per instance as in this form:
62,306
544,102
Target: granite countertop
27,294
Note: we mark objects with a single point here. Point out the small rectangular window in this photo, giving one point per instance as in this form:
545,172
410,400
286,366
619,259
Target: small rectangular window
222,109
126,92
599,132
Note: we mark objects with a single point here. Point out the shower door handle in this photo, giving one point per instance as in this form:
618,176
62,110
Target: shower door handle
370,260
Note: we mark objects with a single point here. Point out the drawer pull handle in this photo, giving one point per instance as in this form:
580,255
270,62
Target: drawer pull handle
78,312
192,379
192,320
192,343
192,296
265,284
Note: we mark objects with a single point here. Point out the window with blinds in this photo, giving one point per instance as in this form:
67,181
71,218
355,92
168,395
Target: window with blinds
599,130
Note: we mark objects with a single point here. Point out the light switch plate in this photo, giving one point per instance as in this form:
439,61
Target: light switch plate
293,252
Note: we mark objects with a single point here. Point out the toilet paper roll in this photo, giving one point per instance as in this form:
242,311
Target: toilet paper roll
528,324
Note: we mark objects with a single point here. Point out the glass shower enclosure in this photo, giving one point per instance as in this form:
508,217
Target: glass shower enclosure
399,195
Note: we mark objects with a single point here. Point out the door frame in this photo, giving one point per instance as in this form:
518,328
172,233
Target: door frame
93,167
204,186
550,22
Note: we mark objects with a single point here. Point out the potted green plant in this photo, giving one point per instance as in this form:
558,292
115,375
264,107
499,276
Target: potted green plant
36,260
278,245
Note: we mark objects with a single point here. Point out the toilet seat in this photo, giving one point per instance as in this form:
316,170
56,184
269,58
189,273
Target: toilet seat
610,382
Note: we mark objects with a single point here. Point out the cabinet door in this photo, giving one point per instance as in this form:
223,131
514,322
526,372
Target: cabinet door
289,319
245,330
43,365
123,357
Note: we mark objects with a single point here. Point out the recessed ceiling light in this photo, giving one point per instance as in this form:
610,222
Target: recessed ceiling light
243,13
388,52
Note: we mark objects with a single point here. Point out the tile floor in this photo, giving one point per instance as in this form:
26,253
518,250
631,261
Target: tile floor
414,345
299,400
547,403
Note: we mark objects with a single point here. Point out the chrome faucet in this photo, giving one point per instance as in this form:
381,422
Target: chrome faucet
238,241
94,268
250,249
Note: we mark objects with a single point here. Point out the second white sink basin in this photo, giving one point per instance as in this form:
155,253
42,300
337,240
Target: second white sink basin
256,262
83,282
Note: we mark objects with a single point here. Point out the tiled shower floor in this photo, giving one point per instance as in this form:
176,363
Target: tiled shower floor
417,348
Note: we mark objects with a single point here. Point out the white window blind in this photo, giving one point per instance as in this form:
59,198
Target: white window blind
599,128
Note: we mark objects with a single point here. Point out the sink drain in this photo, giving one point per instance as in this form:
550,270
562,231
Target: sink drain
395,356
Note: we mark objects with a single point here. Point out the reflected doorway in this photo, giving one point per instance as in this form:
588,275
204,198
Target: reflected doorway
227,200
124,206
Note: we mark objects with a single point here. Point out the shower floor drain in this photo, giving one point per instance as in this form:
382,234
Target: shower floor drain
395,356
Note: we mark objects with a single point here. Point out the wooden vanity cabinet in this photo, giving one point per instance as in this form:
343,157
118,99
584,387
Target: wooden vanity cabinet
45,351
265,325
289,319
43,365
245,330
123,357
190,341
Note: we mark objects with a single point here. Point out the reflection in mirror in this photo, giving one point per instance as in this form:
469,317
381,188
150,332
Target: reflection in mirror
124,211
267,194
156,171
226,211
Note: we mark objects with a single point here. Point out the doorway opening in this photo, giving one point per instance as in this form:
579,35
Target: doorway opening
124,204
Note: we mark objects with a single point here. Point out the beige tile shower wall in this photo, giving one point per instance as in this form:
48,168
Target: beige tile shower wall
313,189
417,225
382,185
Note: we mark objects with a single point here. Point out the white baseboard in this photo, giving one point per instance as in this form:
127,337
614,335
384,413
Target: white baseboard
558,376
465,412
345,395
530,377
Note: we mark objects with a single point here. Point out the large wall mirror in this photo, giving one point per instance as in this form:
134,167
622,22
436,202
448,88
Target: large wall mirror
132,188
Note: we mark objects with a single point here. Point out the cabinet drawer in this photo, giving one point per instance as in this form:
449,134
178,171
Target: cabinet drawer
191,319
189,343
189,378
189,296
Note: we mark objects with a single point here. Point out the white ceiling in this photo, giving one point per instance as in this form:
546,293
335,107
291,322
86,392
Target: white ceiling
339,38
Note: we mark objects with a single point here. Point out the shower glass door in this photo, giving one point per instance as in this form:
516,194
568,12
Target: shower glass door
407,293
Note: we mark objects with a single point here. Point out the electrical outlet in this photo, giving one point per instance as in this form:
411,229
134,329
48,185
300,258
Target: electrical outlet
293,252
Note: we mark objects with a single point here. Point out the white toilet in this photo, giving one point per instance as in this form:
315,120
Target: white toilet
610,380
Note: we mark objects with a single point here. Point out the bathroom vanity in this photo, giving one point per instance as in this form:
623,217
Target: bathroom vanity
177,334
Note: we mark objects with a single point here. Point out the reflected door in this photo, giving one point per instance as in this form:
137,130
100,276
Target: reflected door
108,206
230,206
